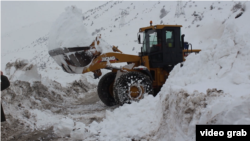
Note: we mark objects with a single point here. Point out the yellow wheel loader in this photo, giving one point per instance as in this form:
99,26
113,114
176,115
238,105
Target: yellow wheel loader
162,48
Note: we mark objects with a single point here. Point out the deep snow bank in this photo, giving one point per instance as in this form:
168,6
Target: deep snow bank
182,111
187,96
224,62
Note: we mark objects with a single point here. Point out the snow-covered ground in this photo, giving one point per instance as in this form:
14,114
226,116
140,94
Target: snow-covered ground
44,102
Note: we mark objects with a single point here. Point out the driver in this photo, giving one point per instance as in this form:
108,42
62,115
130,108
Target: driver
157,46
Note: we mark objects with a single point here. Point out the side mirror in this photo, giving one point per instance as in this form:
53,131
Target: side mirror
139,39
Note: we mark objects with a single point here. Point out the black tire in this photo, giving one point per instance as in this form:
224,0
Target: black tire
123,85
105,89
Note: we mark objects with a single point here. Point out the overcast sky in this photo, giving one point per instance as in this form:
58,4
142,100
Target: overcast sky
15,14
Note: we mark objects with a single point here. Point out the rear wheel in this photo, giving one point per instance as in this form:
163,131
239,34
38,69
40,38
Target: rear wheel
105,89
132,86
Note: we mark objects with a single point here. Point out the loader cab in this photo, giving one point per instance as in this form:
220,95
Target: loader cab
163,45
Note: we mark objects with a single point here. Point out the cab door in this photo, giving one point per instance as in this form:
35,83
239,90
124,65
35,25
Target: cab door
155,48
172,52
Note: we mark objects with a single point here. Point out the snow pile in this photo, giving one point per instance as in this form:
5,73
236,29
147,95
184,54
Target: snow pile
103,46
23,71
69,30
183,111
224,61
131,121
39,104
139,120
188,97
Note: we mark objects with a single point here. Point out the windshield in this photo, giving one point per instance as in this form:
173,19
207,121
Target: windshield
150,39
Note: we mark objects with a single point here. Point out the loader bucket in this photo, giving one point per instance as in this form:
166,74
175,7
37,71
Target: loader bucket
73,56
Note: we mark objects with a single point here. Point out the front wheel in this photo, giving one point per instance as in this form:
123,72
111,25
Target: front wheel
105,89
132,86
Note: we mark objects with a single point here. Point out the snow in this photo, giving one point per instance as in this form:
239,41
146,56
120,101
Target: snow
28,73
224,61
125,122
63,128
103,46
69,31
141,67
212,87
129,66
223,65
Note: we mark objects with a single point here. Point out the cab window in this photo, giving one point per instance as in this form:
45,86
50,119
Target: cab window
170,38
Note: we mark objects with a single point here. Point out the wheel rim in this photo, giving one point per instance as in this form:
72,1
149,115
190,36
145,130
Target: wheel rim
135,92
132,86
